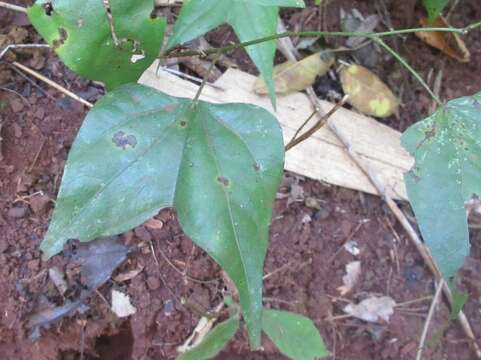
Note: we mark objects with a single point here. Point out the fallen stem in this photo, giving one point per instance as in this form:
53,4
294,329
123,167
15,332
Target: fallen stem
428,320
52,83
13,7
319,124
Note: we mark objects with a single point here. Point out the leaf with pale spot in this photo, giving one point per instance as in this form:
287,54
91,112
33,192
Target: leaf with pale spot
219,166
447,149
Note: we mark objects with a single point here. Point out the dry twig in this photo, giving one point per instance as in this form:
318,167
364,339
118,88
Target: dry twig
428,320
52,84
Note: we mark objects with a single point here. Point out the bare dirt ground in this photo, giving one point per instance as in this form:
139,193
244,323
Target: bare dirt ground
306,258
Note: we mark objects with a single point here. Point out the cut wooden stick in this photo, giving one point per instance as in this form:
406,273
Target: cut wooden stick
52,84
428,320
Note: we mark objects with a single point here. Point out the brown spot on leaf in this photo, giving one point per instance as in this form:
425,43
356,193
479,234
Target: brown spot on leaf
61,40
122,140
223,180
477,104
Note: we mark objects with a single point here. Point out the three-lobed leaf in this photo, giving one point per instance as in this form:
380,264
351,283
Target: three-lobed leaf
447,150
294,335
219,166
214,341
250,19
81,34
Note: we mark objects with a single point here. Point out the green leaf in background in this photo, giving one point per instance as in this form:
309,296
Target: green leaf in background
214,341
447,150
219,166
434,8
79,32
250,19
295,336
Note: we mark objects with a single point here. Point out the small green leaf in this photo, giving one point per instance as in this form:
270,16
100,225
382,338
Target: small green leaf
447,150
80,33
214,341
296,336
434,8
219,166
250,19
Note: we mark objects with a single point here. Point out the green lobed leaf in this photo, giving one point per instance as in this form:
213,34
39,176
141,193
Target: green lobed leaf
250,19
79,31
296,336
447,150
434,8
139,151
214,341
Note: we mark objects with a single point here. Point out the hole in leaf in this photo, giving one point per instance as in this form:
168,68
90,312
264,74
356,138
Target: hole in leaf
256,167
48,8
223,180
61,40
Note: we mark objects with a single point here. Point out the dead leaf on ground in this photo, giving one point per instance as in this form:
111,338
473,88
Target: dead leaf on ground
449,43
97,260
367,93
297,75
353,271
121,305
373,309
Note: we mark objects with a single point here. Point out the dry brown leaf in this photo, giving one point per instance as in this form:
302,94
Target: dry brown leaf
449,43
367,93
353,270
154,224
297,75
372,309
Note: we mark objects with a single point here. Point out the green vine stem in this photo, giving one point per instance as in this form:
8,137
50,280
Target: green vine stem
227,48
404,63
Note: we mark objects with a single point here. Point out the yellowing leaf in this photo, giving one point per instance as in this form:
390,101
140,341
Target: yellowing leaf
297,75
367,93
449,43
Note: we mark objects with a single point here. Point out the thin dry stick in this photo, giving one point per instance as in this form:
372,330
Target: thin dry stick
13,7
319,124
52,84
428,320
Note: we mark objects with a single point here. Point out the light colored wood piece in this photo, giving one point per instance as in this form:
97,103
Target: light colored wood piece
321,157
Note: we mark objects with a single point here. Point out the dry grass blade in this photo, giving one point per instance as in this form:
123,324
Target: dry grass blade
52,84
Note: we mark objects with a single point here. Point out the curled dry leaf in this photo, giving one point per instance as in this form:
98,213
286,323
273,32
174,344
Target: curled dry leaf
373,309
154,224
353,270
367,93
297,75
449,43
